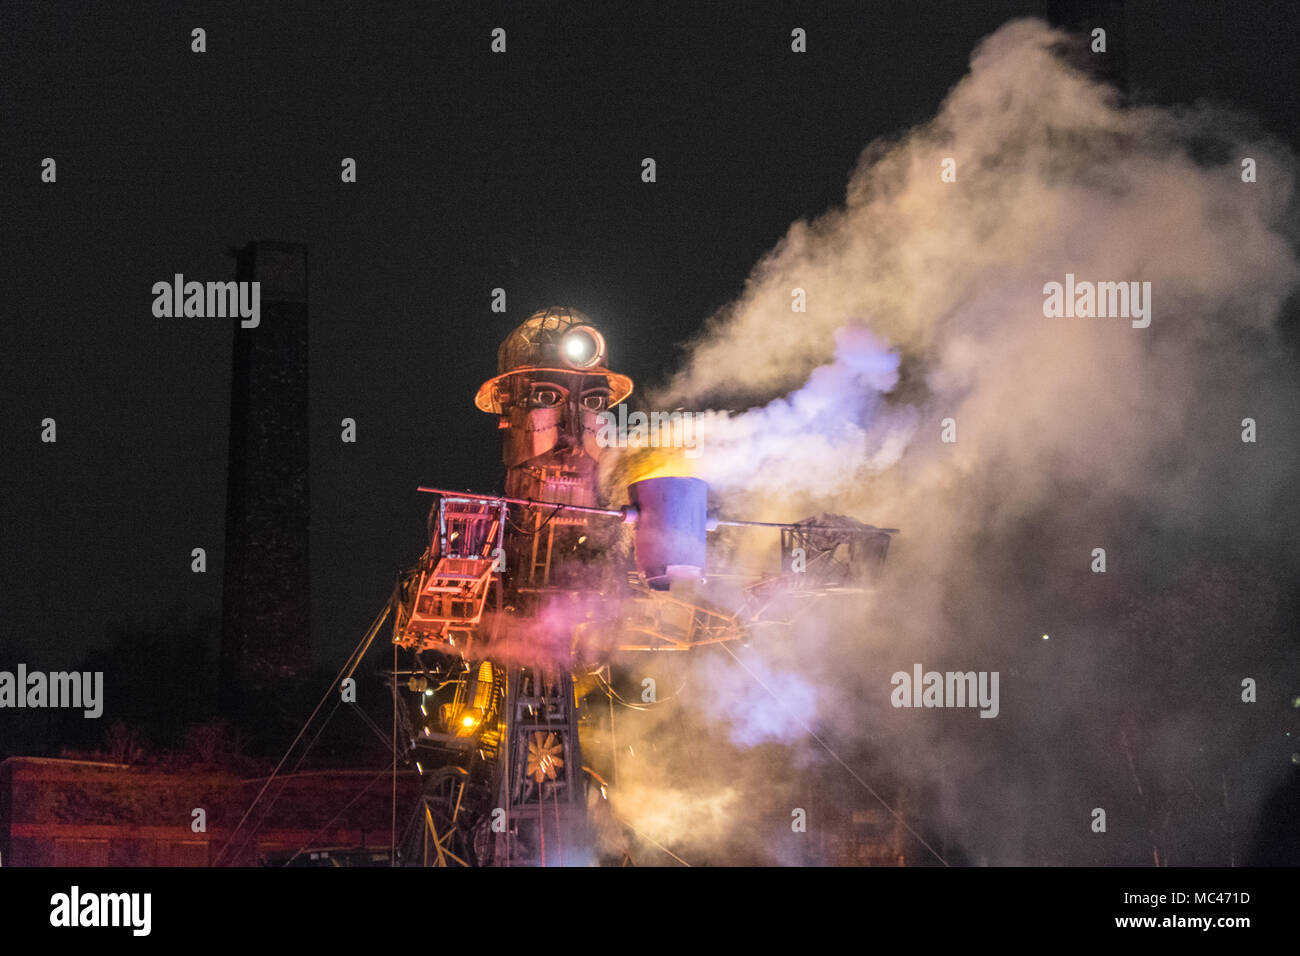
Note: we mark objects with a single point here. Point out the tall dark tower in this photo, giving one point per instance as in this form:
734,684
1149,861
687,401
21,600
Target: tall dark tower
266,623
1081,18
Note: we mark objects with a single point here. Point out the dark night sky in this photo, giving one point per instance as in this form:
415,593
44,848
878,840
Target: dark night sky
475,171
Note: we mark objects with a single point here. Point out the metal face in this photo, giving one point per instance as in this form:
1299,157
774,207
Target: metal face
553,413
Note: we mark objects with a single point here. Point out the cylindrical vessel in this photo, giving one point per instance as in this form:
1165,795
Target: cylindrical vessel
671,522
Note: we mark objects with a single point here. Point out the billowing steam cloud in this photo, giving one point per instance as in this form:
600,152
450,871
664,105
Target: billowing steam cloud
925,319
838,411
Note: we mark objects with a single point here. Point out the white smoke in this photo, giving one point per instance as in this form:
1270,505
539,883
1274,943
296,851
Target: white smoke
833,427
924,304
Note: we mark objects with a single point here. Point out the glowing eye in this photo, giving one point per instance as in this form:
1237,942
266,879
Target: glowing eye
595,401
546,397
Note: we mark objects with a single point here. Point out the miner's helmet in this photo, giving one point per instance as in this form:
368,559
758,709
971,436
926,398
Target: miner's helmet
550,340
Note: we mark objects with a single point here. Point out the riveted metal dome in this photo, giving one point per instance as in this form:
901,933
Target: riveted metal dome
557,339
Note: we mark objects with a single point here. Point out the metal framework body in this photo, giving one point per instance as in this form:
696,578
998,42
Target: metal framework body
515,589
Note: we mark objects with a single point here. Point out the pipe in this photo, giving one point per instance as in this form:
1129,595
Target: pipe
628,513
526,502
